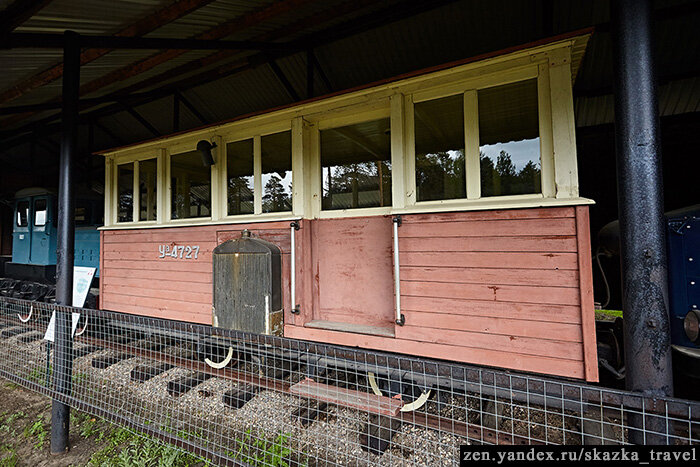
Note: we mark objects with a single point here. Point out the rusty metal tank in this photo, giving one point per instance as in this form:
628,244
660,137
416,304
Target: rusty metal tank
247,277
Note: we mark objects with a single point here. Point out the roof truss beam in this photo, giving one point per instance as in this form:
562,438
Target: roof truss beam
405,8
168,14
18,12
56,41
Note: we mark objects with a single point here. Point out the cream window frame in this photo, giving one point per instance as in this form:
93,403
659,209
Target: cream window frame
551,64
242,135
468,89
189,145
111,188
344,117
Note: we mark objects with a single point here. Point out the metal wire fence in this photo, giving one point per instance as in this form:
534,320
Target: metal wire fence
240,398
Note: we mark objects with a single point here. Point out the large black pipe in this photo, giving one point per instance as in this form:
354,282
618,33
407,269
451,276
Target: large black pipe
63,354
640,198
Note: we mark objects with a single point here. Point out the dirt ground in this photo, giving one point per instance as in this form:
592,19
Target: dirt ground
25,431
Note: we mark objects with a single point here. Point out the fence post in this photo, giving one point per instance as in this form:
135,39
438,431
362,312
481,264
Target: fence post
63,354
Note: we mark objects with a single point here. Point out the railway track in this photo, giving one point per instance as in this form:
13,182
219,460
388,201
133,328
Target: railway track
311,377
311,385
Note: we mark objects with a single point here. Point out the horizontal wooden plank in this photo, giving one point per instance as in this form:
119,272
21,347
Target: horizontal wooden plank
492,276
527,311
159,236
160,265
490,228
157,275
502,343
135,309
353,317
498,214
477,356
140,286
360,400
519,260
185,296
151,247
496,325
502,293
149,305
202,256
548,244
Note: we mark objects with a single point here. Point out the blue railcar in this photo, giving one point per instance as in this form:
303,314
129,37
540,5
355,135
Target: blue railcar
683,239
34,235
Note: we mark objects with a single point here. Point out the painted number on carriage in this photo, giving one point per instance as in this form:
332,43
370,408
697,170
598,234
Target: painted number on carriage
178,251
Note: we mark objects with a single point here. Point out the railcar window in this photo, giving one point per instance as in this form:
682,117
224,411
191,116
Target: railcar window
40,212
439,132
356,165
239,177
125,192
276,154
190,186
22,214
509,139
148,172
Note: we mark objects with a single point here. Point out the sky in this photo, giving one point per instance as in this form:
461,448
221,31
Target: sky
521,151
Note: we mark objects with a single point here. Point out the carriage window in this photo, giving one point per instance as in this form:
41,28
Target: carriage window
148,172
509,139
40,212
239,177
439,130
125,192
276,154
356,165
190,186
82,215
22,214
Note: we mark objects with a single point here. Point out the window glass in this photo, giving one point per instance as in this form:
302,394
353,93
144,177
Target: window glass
148,172
22,214
40,212
439,136
276,153
190,186
509,139
82,215
356,165
125,194
239,168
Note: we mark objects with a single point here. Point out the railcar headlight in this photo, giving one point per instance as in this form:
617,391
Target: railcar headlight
691,325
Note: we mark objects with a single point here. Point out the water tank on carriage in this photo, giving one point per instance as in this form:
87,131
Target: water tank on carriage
247,275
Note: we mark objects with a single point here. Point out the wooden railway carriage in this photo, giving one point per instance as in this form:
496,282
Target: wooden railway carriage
456,187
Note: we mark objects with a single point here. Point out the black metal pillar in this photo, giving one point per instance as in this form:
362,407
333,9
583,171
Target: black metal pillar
640,197
63,354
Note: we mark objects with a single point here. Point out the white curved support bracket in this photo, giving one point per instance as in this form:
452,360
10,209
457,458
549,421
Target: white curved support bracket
80,333
373,383
416,404
410,407
223,362
25,320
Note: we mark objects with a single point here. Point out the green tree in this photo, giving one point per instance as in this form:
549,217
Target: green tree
276,199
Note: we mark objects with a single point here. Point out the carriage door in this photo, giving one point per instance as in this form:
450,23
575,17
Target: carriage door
21,233
43,233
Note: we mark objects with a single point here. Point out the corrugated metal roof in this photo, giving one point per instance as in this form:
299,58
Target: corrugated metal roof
457,30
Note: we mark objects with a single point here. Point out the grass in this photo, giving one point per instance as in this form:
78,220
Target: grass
608,315
8,456
256,450
118,446
38,431
126,448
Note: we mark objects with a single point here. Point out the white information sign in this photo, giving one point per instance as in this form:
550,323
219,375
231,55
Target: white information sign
82,279
51,329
